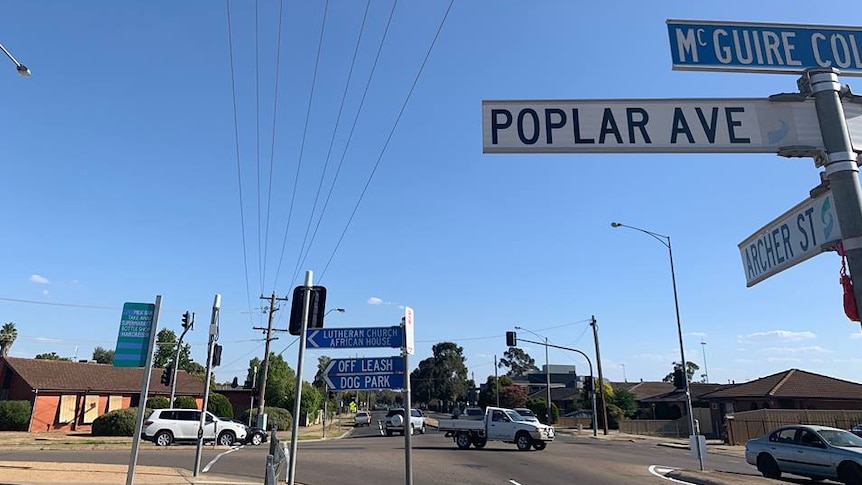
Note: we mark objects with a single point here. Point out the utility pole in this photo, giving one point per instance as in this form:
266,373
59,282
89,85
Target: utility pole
601,379
496,381
261,400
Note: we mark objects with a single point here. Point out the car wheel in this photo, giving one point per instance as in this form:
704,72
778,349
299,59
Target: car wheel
463,440
388,432
850,473
163,438
767,466
422,429
523,441
226,438
256,439
539,445
480,443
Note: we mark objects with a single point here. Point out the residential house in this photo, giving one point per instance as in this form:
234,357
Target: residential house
68,396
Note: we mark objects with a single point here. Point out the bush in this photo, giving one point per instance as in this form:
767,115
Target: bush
158,402
120,422
14,415
219,405
279,416
185,402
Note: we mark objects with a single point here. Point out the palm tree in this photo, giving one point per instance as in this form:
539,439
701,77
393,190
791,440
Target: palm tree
8,334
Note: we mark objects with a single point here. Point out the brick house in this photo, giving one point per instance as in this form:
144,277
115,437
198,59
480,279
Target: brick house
68,396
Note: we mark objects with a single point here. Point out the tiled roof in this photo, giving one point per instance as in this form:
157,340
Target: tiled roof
63,375
792,383
644,390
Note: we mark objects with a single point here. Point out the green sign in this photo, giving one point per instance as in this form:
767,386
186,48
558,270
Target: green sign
133,342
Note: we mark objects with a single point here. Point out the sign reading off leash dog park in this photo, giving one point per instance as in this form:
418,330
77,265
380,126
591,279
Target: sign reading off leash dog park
365,373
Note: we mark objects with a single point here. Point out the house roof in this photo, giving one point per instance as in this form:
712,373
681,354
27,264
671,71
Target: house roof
792,383
644,390
698,391
64,375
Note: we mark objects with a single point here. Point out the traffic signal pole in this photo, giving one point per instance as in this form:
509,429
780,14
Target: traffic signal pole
188,324
213,337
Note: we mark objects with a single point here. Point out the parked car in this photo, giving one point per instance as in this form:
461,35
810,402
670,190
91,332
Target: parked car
527,414
816,452
362,418
395,421
254,435
165,426
857,429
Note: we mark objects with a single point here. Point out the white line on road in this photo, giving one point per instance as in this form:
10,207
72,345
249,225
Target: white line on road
514,482
659,471
214,460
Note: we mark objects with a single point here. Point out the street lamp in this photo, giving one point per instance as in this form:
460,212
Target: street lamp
665,240
624,372
705,371
21,68
547,371
339,310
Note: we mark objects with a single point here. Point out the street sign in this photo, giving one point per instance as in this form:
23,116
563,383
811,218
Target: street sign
746,125
764,47
409,345
806,230
355,338
133,341
365,373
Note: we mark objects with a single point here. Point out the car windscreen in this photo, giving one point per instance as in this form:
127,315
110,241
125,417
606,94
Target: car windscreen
836,437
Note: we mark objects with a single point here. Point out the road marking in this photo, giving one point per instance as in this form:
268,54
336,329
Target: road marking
514,482
659,471
214,460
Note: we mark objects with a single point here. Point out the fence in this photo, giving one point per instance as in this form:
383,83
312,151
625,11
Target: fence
741,427
275,460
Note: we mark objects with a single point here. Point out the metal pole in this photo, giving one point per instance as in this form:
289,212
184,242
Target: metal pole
145,389
842,169
692,430
408,424
261,399
705,371
294,432
21,68
177,361
548,383
601,378
251,404
496,381
213,337
325,399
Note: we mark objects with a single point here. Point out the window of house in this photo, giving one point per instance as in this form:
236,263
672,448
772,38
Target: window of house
115,402
91,408
67,408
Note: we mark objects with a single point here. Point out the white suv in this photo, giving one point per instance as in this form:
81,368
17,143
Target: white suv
164,426
395,421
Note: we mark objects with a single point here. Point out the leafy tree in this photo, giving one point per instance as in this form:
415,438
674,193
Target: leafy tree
103,355
540,409
518,362
166,352
488,394
513,396
8,334
252,379
185,402
51,356
279,384
14,415
310,402
322,362
690,369
158,402
219,405
450,371
422,383
626,401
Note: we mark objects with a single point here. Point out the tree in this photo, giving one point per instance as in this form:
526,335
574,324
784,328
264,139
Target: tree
51,356
488,394
450,371
166,351
280,383
626,401
690,369
322,362
422,382
518,362
103,356
513,396
8,334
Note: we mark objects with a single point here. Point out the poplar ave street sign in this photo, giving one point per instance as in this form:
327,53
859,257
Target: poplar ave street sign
764,47
745,125
806,230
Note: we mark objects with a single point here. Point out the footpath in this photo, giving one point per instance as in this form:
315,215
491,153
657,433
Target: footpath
32,472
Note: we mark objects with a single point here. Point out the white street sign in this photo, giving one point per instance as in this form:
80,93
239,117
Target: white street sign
409,346
806,230
746,125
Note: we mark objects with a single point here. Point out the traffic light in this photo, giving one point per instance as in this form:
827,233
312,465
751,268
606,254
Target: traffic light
216,355
511,339
188,320
678,378
588,384
166,376
316,308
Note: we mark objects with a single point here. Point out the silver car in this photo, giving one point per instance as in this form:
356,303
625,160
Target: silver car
816,452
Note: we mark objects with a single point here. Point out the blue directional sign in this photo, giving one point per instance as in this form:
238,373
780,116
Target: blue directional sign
764,47
365,373
355,338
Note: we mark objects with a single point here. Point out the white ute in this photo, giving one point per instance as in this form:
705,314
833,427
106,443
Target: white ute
499,425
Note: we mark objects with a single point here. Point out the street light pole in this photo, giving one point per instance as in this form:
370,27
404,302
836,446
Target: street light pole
547,373
21,68
665,240
705,370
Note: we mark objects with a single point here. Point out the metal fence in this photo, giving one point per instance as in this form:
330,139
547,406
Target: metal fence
275,460
741,427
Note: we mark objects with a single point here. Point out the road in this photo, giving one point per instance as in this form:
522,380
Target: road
367,457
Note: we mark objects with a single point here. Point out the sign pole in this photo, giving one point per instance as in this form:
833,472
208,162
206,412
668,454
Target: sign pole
294,436
841,167
145,389
408,407
213,336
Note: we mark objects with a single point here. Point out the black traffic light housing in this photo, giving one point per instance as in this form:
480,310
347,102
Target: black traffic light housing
511,339
216,355
166,376
316,309
188,319
588,384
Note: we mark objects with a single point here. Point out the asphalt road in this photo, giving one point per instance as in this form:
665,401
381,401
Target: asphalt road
367,457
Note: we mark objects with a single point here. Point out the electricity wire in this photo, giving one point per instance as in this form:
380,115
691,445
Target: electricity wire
272,141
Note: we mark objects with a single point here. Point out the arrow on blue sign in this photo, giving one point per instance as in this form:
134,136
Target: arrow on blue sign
355,338
365,374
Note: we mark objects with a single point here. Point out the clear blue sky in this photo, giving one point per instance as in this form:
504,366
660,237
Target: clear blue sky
121,180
